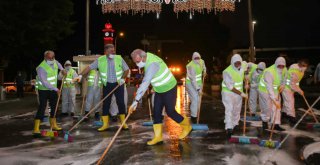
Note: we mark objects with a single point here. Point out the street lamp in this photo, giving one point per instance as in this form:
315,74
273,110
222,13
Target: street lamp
253,23
121,35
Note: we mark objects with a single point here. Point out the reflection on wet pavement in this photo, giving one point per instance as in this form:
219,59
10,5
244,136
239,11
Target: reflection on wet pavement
201,147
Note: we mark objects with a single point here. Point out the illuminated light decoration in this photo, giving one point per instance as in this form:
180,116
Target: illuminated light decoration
224,5
148,6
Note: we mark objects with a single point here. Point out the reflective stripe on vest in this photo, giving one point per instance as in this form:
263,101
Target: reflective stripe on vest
237,78
103,68
52,75
68,80
163,80
291,71
198,68
276,79
91,78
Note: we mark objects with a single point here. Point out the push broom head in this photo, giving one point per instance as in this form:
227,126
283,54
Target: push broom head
313,125
244,140
52,134
98,123
67,137
147,123
269,143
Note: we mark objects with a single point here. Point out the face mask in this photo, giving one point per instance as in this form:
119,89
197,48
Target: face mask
141,64
197,61
68,67
303,69
50,62
111,56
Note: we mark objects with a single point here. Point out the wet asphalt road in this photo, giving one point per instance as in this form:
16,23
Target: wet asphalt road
17,145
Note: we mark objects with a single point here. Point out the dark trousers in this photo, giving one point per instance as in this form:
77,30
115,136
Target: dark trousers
44,96
167,100
119,94
20,91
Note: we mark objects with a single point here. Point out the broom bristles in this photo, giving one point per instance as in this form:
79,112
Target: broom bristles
244,140
269,143
49,133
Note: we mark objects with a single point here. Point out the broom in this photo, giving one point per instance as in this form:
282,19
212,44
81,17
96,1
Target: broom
311,125
244,139
52,133
200,126
101,159
149,123
271,143
67,135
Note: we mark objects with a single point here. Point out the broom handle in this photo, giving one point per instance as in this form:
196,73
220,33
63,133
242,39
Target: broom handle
245,112
113,139
94,108
59,96
274,121
149,105
312,113
200,99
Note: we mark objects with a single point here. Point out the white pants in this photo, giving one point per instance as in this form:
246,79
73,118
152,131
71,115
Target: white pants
232,103
92,98
288,102
268,109
194,99
253,97
114,107
68,99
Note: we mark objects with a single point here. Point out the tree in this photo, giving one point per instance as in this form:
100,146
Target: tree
27,28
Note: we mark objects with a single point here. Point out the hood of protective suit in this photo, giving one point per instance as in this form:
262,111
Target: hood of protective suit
235,58
262,65
280,61
195,55
67,62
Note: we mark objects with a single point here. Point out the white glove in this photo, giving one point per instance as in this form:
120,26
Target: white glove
78,79
244,95
133,106
122,81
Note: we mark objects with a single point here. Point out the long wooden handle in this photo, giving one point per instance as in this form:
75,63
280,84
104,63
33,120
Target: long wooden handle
94,108
274,120
199,103
113,139
149,105
245,112
311,111
59,96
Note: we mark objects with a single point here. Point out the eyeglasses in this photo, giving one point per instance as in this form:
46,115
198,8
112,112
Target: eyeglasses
197,58
280,66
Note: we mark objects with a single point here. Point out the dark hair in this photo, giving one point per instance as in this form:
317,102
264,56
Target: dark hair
107,46
304,60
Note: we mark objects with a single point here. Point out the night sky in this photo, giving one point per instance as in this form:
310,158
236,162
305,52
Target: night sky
280,23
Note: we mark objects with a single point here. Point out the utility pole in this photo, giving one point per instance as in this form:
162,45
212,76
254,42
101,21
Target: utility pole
252,53
87,26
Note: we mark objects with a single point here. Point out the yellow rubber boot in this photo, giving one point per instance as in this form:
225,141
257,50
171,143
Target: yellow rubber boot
186,128
157,128
105,125
53,122
36,129
122,117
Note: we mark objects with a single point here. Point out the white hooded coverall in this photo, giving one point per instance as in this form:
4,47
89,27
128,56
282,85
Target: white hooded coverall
232,101
268,108
254,82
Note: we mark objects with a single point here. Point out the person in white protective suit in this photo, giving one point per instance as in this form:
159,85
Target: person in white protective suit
271,84
68,90
293,78
195,70
254,82
232,93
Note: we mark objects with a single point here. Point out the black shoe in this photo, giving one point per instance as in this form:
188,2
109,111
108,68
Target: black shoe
253,115
229,133
194,119
114,118
71,114
64,114
278,128
264,125
292,120
97,116
87,118
284,115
